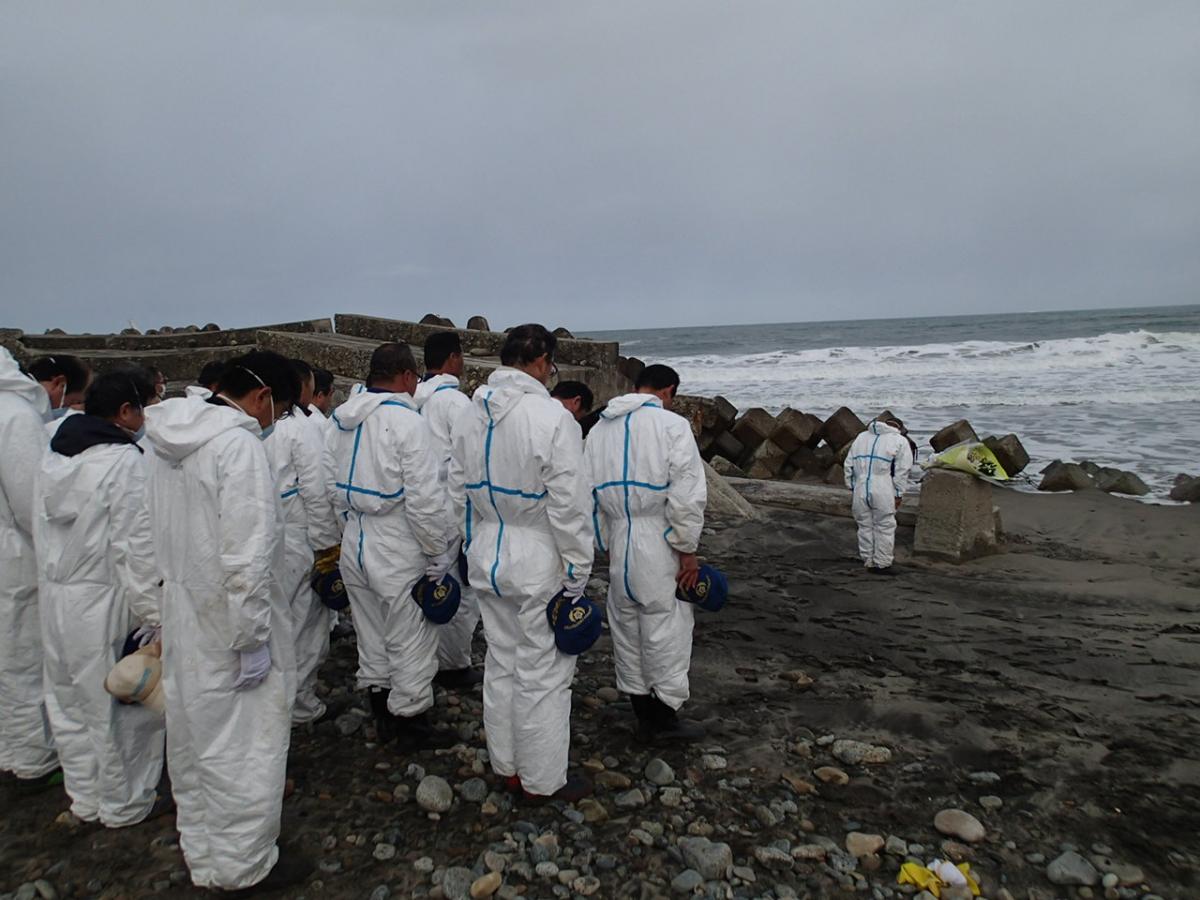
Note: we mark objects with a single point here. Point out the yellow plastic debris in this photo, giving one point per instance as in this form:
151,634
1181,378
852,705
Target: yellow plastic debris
927,880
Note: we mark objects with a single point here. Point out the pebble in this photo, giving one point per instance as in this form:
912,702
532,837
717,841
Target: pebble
586,885
670,797
45,889
543,849
773,857
745,873
347,724
434,794
659,773
895,846
485,885
856,753
330,866
593,810
991,803
813,852
613,781
711,859
984,778
712,762
384,852
1110,880
686,881
642,836
473,790
630,799
859,844
832,775
424,865
959,824
381,892
1071,868
608,694
456,883
546,869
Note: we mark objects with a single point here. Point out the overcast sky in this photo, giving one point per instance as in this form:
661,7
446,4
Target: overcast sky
595,165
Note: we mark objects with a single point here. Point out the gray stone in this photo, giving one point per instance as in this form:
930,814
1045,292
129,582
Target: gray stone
712,762
712,860
456,883
727,468
773,858
347,724
955,520
659,773
1071,868
1063,476
795,429
857,753
954,433
686,881
1186,489
727,445
543,849
859,844
959,824
434,795
765,461
1115,481
895,846
990,802
473,790
478,323
384,852
630,799
45,889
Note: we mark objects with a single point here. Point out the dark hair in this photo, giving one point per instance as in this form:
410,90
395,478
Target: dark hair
388,361
211,373
155,373
439,347
112,390
322,380
568,390
657,377
526,344
303,370
74,369
260,368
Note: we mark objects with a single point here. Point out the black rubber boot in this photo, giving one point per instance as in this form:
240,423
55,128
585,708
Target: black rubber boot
576,788
669,727
414,733
291,869
458,679
385,721
643,709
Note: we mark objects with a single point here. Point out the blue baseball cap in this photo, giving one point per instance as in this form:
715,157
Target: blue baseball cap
576,625
330,589
439,600
710,591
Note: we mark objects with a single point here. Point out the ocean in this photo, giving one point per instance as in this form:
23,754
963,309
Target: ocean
1120,387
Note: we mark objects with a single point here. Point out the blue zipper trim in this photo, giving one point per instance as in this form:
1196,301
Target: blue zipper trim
511,492
371,492
628,484
290,492
487,470
596,520
353,462
870,469
397,403
360,543
628,515
467,542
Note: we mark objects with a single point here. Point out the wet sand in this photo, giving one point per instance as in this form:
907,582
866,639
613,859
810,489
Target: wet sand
1062,674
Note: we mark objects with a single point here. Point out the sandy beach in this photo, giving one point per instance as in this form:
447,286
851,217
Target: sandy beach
1050,691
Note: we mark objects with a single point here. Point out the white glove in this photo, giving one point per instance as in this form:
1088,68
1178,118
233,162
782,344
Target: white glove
147,634
436,567
574,586
255,666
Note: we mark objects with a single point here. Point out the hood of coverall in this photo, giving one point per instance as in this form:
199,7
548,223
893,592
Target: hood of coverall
13,380
627,403
354,411
878,427
426,389
504,389
178,428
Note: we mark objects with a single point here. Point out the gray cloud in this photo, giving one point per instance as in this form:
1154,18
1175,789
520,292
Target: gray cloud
596,165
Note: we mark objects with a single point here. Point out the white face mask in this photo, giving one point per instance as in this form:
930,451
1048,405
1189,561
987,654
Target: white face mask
58,412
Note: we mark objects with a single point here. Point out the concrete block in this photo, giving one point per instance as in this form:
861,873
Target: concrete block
795,429
836,475
1061,476
766,460
1115,481
952,434
728,446
726,412
754,427
478,323
701,412
842,428
434,319
956,521
1009,452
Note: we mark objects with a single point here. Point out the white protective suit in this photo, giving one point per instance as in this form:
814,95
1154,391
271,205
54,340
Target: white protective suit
381,472
296,454
217,528
441,403
96,582
876,470
26,747
519,492
648,494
